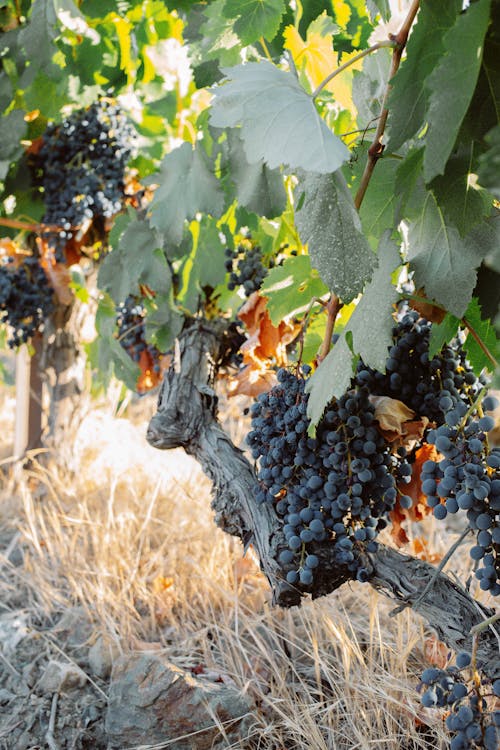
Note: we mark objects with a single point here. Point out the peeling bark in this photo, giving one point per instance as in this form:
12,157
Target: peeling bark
187,417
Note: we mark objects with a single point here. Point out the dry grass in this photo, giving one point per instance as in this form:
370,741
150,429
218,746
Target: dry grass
131,539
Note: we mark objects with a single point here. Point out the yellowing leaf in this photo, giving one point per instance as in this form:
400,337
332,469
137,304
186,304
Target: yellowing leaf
317,58
341,85
123,30
315,55
342,12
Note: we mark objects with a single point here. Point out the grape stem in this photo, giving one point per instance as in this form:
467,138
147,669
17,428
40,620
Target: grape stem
333,308
305,323
477,338
351,61
376,149
438,570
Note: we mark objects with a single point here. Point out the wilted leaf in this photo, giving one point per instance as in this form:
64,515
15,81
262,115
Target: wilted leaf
265,346
426,309
413,489
391,414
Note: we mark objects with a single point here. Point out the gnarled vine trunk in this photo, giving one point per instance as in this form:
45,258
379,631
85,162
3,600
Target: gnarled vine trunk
187,417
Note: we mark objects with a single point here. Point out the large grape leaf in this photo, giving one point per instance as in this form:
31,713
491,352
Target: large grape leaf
255,18
327,220
258,188
12,130
369,85
463,203
378,206
37,37
368,333
185,187
5,90
452,85
290,288
132,261
444,262
279,122
203,265
218,39
332,376
409,95
410,189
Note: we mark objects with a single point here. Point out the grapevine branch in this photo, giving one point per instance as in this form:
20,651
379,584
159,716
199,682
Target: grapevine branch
187,417
333,308
376,149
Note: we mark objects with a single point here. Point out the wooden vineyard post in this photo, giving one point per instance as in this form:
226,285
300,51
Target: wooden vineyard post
28,413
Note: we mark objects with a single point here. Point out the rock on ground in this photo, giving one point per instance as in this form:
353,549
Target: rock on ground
151,700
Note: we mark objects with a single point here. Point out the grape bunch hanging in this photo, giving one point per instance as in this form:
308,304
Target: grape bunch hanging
26,298
81,165
340,485
245,266
465,696
337,486
130,320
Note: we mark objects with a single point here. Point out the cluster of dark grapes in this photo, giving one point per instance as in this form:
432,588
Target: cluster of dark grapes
26,298
468,478
245,267
337,486
469,721
431,387
81,164
130,320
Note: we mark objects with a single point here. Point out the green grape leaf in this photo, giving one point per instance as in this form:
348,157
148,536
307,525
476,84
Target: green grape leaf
327,220
218,40
444,262
258,188
204,264
163,322
186,187
378,206
452,85
5,90
369,86
462,203
410,187
442,333
109,351
333,375
409,95
291,287
371,322
279,122
369,329
125,368
132,262
38,36
12,130
489,163
480,331
255,18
